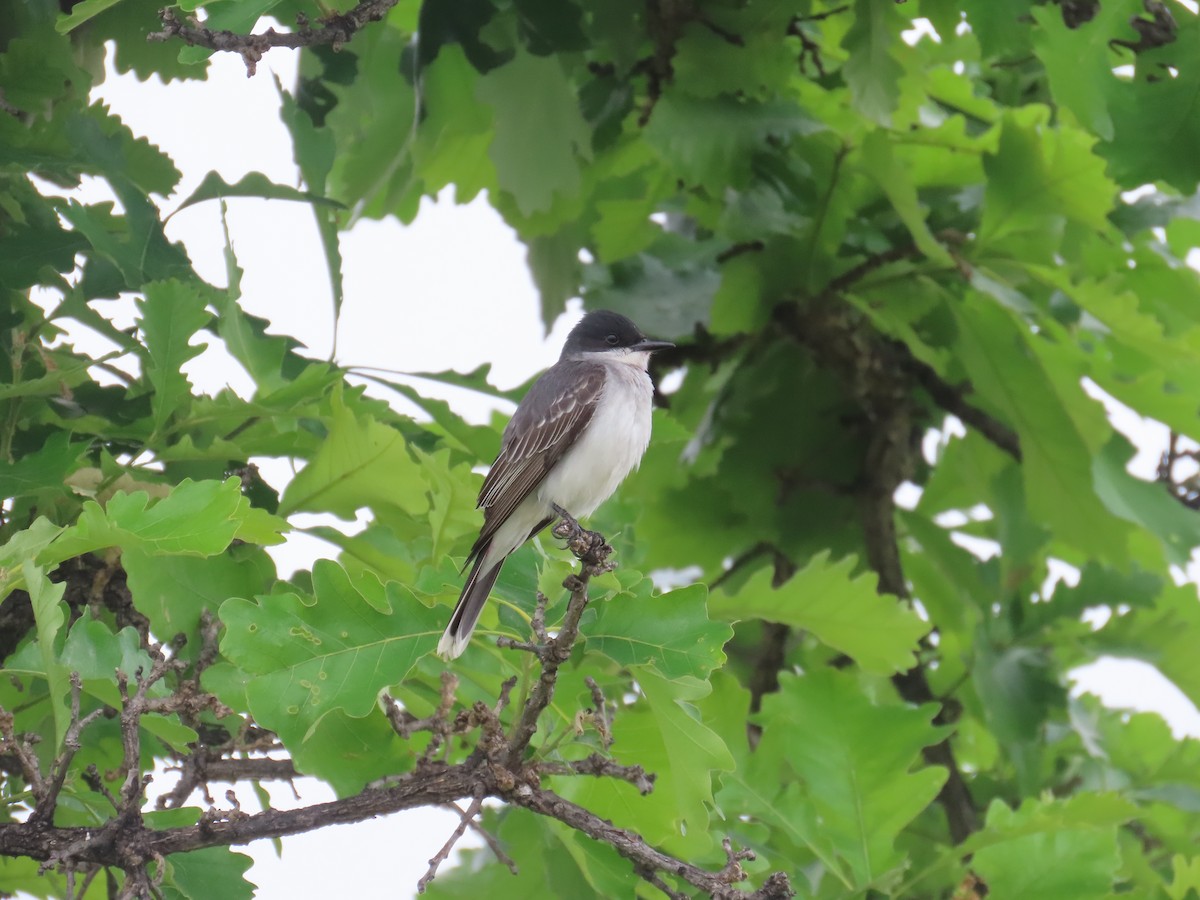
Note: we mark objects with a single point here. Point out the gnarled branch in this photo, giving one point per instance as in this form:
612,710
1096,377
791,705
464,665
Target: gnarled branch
500,767
334,30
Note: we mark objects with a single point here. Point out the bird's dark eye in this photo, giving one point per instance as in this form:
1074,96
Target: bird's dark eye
612,340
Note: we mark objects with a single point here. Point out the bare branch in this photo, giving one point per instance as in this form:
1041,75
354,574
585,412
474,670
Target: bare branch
877,376
465,819
1182,486
593,552
950,398
768,663
134,843
823,318
48,802
600,767
199,768
647,859
553,653
19,747
600,712
490,839
335,30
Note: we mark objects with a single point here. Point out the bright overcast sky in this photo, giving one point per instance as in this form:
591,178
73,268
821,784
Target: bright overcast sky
450,291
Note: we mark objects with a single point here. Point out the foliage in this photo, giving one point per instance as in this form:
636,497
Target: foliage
857,220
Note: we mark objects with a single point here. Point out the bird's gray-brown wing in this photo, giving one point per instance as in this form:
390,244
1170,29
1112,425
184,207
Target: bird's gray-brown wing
545,425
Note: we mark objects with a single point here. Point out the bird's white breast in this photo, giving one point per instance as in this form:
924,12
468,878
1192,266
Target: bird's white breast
610,447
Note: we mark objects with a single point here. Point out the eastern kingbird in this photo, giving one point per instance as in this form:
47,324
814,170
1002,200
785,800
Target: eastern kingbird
580,430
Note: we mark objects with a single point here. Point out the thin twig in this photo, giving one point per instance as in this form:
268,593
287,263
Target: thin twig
19,747
443,854
555,652
44,811
593,552
488,838
602,768
950,399
600,712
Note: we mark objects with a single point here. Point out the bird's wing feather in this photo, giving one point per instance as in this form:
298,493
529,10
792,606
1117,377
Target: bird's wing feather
545,425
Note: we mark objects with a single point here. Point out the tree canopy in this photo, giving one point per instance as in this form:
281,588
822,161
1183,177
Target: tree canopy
906,250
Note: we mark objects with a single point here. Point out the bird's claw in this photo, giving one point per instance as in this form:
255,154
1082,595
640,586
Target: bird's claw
588,546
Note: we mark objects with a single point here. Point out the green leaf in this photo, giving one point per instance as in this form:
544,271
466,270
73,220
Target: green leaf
453,143
334,650
482,443
554,265
895,180
22,547
253,184
362,462
127,25
671,632
871,70
80,13
47,468
666,300
1156,119
1018,691
1186,877
453,490
708,64
49,612
1079,60
1160,635
198,518
1040,175
531,96
842,610
211,872
170,315
348,753
93,651
694,751
172,591
314,151
713,142
1053,851
1056,462
1145,503
852,792
1003,28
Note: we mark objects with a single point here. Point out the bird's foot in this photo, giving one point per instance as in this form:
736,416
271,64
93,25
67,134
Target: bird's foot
589,547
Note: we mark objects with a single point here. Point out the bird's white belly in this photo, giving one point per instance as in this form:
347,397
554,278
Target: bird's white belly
609,449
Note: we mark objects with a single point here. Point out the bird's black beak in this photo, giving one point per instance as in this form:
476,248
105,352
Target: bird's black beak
651,346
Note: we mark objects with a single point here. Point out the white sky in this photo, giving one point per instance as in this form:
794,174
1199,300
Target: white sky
449,291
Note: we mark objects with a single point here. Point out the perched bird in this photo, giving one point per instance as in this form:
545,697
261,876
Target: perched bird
583,427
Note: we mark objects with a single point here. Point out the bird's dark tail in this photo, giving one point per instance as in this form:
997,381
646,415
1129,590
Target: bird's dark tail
470,604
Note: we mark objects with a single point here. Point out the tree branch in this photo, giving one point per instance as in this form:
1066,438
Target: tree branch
592,551
335,30
876,377
602,768
950,398
631,846
465,818
497,767
895,354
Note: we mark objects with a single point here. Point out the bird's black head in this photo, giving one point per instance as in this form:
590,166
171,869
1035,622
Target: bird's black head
603,330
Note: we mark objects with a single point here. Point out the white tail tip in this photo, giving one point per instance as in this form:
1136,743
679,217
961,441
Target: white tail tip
451,646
